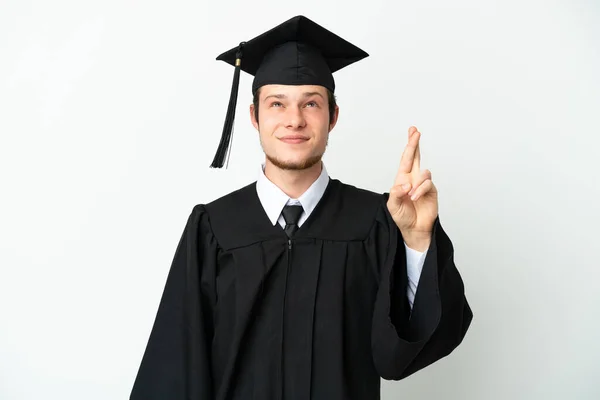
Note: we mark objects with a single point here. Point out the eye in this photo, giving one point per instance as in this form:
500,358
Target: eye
312,104
276,104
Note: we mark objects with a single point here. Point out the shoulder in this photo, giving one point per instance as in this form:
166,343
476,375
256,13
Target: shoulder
223,208
352,198
348,212
226,208
237,218
227,202
360,195
372,204
232,201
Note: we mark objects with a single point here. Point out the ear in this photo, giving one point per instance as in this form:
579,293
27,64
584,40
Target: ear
253,117
336,114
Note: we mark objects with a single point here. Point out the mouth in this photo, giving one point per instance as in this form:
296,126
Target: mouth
294,139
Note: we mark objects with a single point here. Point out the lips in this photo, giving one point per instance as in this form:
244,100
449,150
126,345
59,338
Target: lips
294,139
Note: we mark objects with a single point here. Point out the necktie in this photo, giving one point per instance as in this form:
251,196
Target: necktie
291,214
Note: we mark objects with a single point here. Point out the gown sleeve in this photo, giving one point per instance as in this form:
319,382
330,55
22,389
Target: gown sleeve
403,342
176,362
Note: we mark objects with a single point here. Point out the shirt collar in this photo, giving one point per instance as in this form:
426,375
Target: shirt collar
273,199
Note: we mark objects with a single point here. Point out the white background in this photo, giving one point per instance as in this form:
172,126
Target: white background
110,113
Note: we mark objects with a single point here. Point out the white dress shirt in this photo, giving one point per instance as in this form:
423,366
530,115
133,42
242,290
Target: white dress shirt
273,199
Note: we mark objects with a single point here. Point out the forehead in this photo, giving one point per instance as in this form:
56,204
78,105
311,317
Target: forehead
292,90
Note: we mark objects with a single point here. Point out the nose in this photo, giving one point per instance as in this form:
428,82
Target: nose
295,118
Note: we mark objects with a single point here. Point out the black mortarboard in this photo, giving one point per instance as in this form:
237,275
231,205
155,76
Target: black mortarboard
296,52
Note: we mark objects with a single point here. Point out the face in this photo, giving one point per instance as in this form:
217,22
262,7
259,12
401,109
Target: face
293,124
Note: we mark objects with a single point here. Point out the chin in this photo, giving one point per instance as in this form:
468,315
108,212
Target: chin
295,164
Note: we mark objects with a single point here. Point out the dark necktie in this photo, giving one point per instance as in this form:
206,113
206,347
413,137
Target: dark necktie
291,214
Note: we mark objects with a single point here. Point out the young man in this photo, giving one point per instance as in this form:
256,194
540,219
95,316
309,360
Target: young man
299,286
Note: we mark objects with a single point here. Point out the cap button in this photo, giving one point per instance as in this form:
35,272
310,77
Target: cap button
238,53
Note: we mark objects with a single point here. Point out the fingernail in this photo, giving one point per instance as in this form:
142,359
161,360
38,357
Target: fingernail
414,197
406,186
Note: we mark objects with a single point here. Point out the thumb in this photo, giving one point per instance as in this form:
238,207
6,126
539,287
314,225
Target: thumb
398,193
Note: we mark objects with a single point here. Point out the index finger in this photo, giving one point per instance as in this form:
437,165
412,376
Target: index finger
416,166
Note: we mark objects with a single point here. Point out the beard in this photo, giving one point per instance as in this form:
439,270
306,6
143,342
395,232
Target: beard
295,165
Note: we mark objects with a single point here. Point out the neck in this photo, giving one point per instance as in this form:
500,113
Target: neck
292,182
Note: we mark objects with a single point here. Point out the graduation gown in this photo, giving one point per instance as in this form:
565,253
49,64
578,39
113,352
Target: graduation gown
247,313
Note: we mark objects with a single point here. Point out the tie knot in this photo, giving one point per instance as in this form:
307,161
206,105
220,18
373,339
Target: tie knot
291,214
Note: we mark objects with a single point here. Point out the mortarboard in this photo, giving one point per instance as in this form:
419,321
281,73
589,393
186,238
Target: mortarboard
296,52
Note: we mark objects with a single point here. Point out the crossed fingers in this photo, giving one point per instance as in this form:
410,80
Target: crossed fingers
410,167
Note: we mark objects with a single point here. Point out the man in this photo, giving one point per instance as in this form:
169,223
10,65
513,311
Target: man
299,286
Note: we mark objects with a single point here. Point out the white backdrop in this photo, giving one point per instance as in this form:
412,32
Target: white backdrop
110,113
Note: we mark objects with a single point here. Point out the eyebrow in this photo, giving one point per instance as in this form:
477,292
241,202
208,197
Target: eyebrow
304,95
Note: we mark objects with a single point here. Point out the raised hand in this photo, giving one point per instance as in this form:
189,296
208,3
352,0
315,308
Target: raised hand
413,201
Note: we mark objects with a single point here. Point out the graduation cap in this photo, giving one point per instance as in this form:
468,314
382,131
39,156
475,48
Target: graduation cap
296,52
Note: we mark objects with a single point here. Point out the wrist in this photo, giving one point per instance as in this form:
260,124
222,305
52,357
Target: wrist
419,241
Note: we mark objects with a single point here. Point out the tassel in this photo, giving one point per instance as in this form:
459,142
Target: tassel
225,143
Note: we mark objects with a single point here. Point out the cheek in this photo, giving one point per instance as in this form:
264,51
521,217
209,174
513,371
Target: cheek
268,121
318,116
267,128
319,122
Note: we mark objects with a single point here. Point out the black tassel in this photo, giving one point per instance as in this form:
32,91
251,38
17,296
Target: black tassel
225,143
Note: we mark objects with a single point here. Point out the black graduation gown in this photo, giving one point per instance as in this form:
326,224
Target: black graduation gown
248,314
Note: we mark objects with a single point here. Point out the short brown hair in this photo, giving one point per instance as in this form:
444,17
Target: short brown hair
330,99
